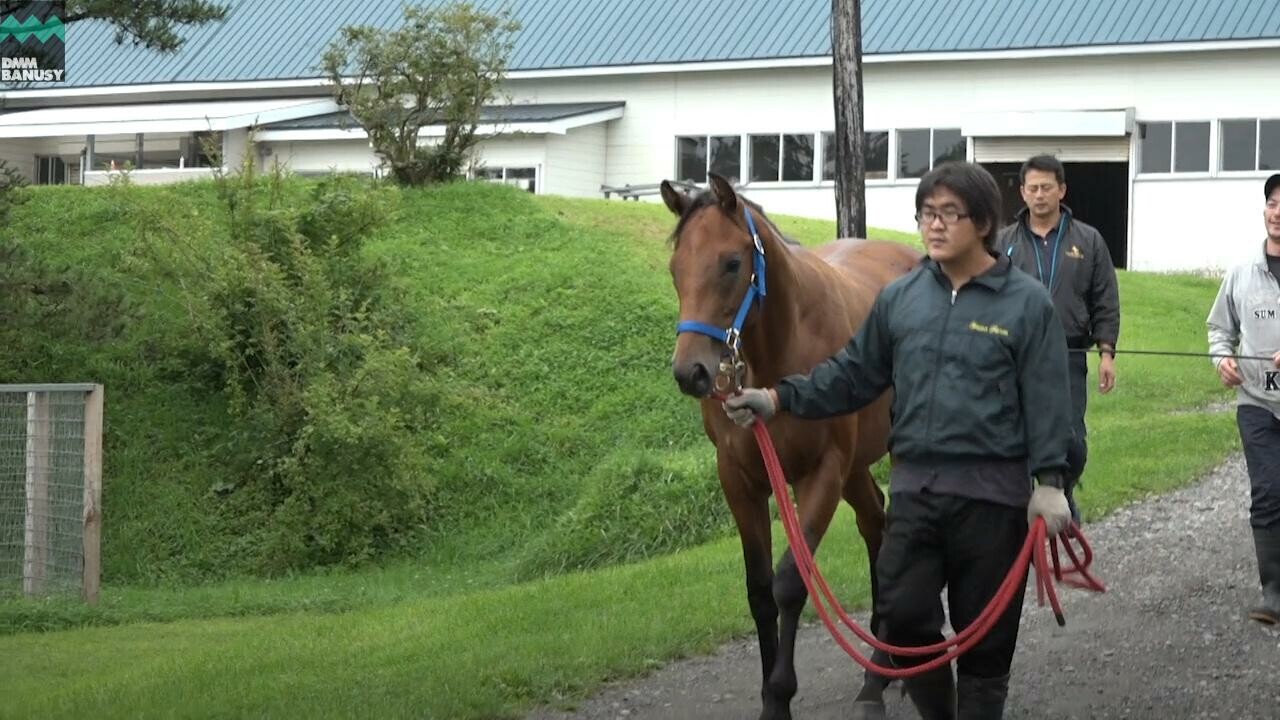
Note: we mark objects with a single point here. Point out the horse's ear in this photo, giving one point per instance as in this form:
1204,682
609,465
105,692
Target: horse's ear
676,201
724,192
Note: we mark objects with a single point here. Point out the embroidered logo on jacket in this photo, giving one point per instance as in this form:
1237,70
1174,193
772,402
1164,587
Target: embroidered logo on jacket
989,329
1075,253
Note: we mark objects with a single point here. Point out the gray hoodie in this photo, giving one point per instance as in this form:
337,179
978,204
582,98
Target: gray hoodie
1246,315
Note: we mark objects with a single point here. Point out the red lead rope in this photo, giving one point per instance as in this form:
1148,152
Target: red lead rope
1033,550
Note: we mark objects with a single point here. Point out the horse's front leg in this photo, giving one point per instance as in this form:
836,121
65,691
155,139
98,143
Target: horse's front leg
819,494
751,514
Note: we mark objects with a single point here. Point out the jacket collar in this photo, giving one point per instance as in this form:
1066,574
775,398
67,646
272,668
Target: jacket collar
1261,258
1024,216
994,278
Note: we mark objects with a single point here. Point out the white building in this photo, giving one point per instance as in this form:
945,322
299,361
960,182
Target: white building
1166,117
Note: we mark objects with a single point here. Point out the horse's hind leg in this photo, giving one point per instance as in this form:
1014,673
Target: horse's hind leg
867,500
818,494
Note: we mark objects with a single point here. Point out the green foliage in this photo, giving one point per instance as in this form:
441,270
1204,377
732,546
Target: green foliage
150,23
633,505
12,189
324,463
42,298
440,66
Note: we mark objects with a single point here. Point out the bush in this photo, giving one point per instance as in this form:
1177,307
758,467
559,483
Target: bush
324,465
635,505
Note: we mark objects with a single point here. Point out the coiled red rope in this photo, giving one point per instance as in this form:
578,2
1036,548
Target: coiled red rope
1033,551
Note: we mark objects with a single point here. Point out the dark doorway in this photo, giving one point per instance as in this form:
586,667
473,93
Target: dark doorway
1097,193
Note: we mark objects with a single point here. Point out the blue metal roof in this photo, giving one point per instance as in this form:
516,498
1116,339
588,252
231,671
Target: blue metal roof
280,39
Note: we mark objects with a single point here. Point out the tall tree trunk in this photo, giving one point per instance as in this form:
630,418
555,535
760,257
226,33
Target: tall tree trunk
846,67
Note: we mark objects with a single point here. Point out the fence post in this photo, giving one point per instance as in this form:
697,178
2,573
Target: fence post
36,536
92,494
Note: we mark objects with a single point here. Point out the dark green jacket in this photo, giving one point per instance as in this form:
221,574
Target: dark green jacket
1084,287
979,379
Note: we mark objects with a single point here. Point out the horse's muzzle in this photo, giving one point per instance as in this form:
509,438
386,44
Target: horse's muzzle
693,378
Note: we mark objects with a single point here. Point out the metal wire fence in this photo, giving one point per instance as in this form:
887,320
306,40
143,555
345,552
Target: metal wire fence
50,489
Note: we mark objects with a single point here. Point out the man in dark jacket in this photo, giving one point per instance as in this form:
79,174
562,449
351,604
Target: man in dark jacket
978,364
1072,260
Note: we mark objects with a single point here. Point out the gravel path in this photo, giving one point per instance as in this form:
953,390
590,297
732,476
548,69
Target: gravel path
1169,639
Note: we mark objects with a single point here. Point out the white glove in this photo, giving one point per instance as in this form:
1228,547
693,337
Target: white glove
1050,503
745,406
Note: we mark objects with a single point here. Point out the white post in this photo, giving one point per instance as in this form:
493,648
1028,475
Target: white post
92,494
36,526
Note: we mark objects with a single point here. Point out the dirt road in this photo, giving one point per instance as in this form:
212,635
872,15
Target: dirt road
1169,639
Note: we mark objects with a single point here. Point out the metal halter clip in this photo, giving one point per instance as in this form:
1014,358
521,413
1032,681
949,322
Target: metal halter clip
732,368
732,371
733,338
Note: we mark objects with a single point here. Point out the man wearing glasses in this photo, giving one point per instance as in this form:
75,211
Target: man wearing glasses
977,362
1245,319
1072,260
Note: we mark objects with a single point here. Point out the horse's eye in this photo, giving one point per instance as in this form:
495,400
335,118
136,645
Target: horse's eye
732,265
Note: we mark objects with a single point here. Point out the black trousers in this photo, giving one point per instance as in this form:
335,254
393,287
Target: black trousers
1078,450
967,545
1260,436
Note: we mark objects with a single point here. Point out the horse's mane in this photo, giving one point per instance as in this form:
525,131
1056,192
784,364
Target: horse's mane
707,198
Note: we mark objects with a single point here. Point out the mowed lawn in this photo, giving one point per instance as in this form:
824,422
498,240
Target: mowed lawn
461,643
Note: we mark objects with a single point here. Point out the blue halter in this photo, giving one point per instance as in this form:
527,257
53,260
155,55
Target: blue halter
732,336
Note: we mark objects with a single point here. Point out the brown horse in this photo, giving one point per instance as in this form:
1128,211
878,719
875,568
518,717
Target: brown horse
813,302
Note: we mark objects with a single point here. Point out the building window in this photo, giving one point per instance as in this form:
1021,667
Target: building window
1155,147
1269,145
919,151
720,154
1239,149
1173,147
525,178
913,153
787,158
875,155
1191,147
51,171
766,150
948,145
1248,145
200,145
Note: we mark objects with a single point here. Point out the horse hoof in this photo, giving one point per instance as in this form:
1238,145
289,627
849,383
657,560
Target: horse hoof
868,710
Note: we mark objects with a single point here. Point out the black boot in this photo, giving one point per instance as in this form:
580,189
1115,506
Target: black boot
1266,543
869,704
933,694
982,698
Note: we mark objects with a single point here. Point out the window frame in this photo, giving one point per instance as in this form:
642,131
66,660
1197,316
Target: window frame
50,160
888,178
933,150
1256,171
706,138
504,180
1215,156
815,174
818,139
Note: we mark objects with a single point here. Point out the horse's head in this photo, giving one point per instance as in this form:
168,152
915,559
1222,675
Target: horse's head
718,270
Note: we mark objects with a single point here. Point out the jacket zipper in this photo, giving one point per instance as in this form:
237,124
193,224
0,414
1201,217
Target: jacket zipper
937,365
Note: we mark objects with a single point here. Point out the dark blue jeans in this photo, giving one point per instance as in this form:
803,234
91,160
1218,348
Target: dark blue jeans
1260,435
1078,451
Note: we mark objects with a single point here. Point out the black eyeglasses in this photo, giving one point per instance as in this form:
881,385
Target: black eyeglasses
949,216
